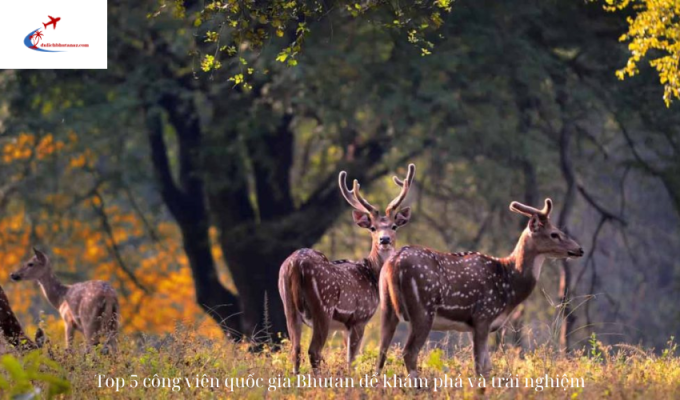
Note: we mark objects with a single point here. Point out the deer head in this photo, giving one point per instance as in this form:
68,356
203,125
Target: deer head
543,237
33,269
383,228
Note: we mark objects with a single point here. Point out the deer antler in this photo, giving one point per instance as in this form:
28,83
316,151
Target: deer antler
530,211
353,197
368,206
405,186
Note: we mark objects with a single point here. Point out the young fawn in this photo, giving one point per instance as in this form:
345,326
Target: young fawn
11,330
465,291
90,307
340,295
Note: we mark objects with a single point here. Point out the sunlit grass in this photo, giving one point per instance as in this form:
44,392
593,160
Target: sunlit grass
621,371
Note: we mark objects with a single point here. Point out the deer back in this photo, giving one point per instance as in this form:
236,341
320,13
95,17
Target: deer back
465,287
343,290
88,300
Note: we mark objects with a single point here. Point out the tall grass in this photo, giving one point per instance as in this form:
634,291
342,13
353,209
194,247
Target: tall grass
181,359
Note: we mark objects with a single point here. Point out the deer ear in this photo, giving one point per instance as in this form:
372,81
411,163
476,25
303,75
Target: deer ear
40,255
362,219
403,216
535,223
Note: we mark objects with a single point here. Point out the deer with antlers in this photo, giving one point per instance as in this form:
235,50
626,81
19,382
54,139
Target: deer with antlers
465,291
341,295
90,307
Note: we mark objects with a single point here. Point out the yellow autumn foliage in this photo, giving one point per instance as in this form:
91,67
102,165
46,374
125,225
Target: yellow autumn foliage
653,32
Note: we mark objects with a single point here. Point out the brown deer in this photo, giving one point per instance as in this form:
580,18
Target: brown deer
90,307
11,329
342,294
465,291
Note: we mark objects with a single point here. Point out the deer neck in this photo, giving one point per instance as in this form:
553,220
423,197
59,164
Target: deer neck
525,263
378,257
53,289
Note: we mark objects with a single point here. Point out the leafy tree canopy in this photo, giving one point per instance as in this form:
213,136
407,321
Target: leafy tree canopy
238,30
653,32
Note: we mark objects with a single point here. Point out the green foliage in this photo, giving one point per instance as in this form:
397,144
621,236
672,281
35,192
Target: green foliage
248,26
211,36
209,63
23,378
595,349
434,360
670,349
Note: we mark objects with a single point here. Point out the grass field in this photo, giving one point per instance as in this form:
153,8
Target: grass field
182,365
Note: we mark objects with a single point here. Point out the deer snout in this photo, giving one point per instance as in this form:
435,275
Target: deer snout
385,240
577,253
15,277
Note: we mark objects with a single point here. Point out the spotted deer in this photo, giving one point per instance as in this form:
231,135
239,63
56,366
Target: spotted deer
340,295
90,307
11,331
465,291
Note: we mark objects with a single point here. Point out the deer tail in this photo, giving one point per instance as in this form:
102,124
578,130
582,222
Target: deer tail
290,285
391,287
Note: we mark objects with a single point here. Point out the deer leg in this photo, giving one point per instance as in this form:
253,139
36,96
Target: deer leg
421,324
355,335
388,324
108,325
70,330
321,326
294,323
111,343
345,341
480,347
111,333
94,325
92,331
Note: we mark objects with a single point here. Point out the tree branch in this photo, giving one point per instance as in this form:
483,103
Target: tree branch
598,207
113,246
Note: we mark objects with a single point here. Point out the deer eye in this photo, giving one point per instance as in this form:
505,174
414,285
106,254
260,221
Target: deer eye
372,229
30,264
554,235
394,227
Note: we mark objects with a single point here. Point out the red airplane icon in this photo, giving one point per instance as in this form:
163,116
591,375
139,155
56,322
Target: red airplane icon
53,21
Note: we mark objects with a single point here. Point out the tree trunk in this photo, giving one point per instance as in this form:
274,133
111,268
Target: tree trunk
188,206
218,302
254,264
255,236
567,168
254,253
11,328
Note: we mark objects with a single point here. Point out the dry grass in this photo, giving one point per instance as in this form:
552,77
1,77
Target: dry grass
617,372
